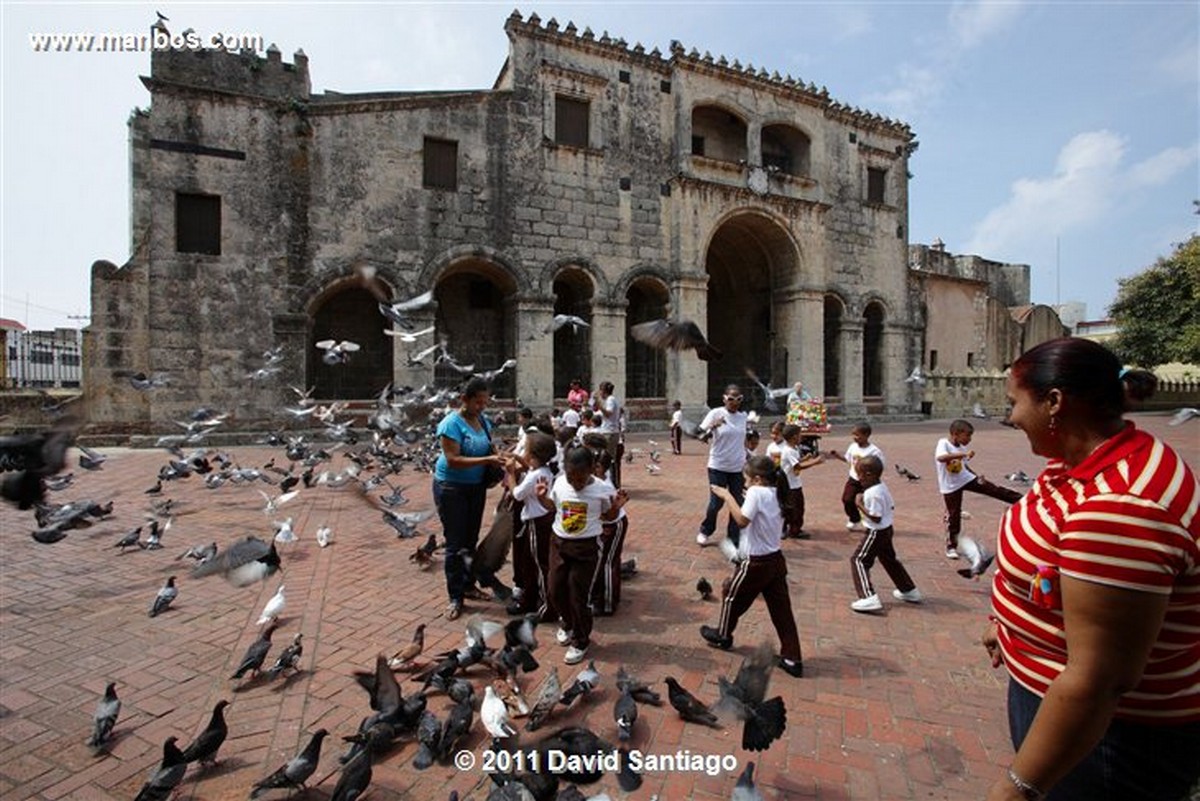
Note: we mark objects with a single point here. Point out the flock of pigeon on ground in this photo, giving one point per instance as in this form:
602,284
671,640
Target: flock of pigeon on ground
399,436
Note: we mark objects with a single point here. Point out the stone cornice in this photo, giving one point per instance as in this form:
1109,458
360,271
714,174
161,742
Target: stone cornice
744,195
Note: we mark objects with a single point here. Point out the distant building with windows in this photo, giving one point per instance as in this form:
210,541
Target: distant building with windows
596,178
42,359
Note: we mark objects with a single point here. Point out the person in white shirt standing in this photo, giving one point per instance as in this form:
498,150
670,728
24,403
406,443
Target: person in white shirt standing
606,406
859,449
725,430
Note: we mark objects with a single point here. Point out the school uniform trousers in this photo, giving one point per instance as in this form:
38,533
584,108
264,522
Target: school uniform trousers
953,500
606,585
793,512
852,489
877,544
677,439
572,569
524,563
766,576
534,552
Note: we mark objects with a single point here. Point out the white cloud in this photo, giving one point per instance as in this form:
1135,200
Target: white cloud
1088,180
972,23
918,84
1180,64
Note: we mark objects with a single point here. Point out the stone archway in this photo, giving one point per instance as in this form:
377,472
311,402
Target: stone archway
573,294
833,346
750,258
645,368
872,351
475,318
350,313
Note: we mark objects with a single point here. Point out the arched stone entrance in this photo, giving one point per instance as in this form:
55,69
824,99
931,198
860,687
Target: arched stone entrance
475,317
573,294
645,368
349,313
872,366
750,258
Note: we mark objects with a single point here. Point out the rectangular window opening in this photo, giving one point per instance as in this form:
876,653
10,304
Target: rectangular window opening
697,145
198,224
441,164
876,178
933,360
571,121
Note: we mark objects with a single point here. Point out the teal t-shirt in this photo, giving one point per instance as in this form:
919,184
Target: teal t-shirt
470,443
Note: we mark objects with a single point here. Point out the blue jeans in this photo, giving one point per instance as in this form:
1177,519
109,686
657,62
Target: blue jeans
1133,762
736,484
460,508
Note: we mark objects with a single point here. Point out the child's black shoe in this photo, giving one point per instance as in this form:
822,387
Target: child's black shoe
713,637
794,669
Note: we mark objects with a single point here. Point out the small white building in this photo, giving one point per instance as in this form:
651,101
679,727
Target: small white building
44,359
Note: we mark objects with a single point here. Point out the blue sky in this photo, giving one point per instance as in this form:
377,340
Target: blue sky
1074,124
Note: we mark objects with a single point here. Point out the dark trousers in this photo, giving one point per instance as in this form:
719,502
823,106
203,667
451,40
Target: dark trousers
793,512
954,500
765,576
524,561
850,491
615,445
539,533
877,544
460,508
572,569
1133,762
736,484
606,588
676,440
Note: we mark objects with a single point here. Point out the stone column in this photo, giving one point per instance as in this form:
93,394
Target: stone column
608,346
405,373
534,352
801,329
898,396
687,376
851,341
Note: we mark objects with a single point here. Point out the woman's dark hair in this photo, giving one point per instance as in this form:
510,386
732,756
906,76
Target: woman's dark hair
1085,371
476,386
607,387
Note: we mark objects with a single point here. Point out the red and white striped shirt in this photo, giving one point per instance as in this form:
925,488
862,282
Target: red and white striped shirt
1125,517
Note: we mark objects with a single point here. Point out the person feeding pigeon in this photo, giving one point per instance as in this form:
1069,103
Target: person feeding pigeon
1094,600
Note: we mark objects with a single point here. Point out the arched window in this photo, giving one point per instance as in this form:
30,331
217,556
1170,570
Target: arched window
473,317
352,315
833,347
786,149
572,345
645,368
718,134
872,369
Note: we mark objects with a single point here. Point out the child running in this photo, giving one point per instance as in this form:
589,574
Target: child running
763,571
878,509
859,449
954,478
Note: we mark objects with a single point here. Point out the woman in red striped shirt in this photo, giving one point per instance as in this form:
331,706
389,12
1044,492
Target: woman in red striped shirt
1096,599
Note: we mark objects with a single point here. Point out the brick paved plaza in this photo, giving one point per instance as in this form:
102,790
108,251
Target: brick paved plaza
898,705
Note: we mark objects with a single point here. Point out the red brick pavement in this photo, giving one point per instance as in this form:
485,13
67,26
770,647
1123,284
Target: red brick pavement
900,705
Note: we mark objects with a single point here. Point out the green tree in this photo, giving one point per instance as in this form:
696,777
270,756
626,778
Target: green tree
1158,310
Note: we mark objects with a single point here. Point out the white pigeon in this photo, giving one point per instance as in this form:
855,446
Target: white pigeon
561,320
273,607
405,336
273,504
978,411
916,377
979,559
1183,415
284,532
494,714
324,536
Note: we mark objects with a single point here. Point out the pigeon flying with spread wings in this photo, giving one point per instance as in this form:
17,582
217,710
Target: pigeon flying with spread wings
764,721
677,335
244,563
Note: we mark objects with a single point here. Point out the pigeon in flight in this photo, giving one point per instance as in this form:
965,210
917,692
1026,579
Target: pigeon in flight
396,311
244,563
916,377
145,383
561,320
337,352
979,559
90,459
1183,415
764,721
105,717
407,337
676,335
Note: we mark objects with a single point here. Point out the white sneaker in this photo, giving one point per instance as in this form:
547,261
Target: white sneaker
574,655
851,525
562,636
703,540
868,604
951,553
913,596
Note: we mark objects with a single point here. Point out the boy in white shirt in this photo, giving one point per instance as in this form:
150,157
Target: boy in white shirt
878,509
791,462
859,449
954,477
531,536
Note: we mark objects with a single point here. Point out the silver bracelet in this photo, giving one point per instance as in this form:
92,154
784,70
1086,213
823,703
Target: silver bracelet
1028,791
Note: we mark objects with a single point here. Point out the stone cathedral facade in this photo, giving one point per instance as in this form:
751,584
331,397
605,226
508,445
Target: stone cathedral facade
595,178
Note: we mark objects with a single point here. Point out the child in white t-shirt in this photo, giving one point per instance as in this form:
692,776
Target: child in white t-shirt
791,462
859,448
762,570
878,510
531,537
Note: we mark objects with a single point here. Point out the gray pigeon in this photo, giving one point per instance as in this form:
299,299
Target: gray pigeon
745,790
625,713
106,716
204,748
165,596
244,563
167,776
256,654
297,770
